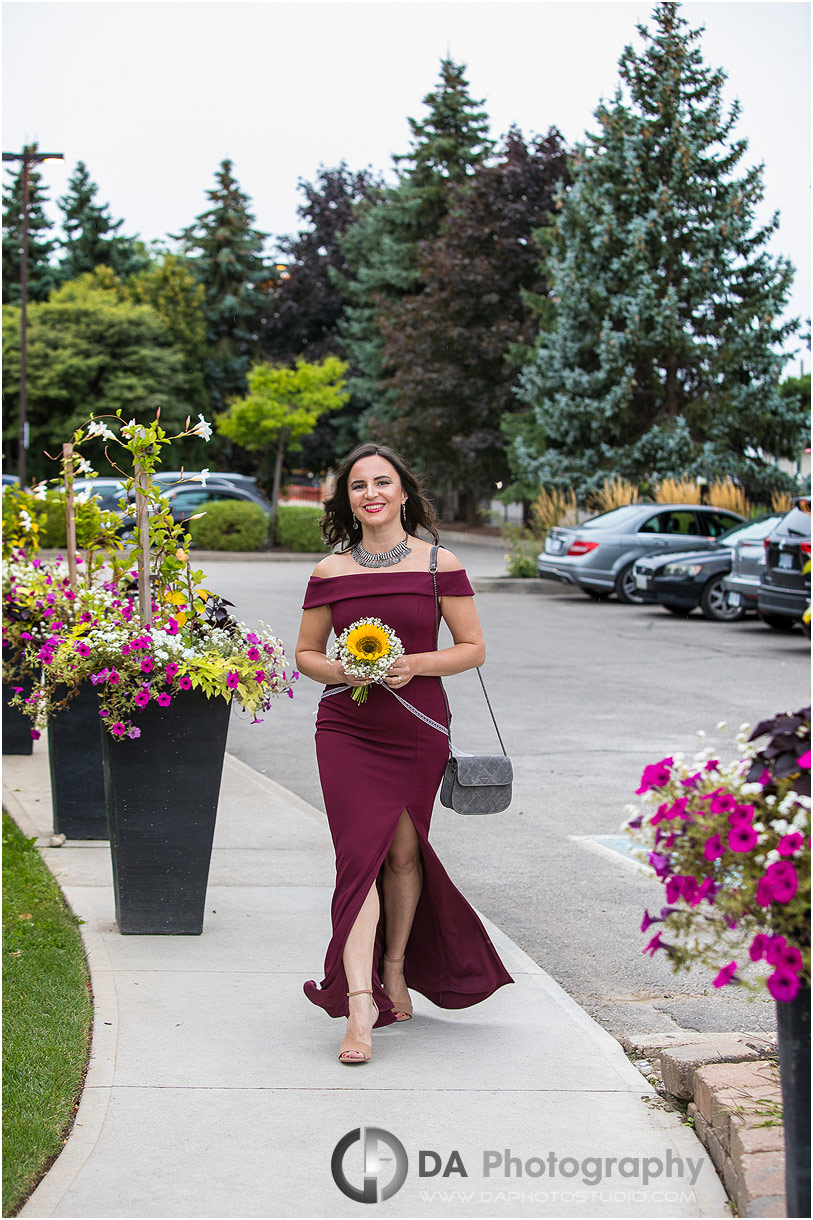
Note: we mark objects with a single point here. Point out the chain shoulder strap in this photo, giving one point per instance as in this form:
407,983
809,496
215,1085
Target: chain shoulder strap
433,567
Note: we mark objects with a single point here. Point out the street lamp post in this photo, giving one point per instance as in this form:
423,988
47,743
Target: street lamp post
28,157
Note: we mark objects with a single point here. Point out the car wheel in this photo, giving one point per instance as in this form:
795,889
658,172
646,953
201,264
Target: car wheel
598,595
714,603
678,611
779,622
625,589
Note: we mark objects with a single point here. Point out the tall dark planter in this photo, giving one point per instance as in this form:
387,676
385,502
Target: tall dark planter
793,1036
17,737
77,773
162,791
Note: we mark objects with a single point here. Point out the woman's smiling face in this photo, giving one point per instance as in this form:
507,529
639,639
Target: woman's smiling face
375,491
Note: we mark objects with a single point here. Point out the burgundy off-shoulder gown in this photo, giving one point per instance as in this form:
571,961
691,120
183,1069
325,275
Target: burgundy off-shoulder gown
375,760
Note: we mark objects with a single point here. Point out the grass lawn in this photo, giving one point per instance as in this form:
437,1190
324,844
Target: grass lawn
47,1016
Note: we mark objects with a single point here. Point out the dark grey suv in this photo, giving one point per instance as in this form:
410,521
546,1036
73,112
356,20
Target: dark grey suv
784,586
598,555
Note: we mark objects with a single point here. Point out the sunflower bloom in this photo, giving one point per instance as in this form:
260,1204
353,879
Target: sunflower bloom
368,642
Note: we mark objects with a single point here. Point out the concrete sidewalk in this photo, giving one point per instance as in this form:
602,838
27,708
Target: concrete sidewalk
214,1088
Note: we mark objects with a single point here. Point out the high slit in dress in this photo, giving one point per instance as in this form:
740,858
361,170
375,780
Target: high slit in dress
377,759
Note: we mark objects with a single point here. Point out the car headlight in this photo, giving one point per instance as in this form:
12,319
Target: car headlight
682,569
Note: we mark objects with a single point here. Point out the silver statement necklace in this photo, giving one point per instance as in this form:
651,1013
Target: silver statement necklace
382,559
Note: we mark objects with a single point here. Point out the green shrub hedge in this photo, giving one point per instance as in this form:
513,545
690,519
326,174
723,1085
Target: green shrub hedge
54,530
298,528
230,525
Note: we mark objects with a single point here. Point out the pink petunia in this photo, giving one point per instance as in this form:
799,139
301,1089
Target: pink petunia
742,837
253,654
35,733
147,665
142,697
654,945
723,802
163,700
742,813
134,732
788,845
655,775
172,626
113,677
185,682
260,675
647,921
783,984
726,975
233,679
117,729
82,649
759,947
804,760
780,953
172,669
714,848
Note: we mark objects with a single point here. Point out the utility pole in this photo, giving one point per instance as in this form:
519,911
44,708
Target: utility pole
29,156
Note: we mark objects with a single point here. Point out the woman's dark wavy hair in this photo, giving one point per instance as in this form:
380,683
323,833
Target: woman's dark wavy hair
339,526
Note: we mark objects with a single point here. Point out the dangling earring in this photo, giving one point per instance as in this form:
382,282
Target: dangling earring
403,514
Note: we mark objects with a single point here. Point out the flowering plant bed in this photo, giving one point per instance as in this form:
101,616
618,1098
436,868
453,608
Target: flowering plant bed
132,665
152,631
730,843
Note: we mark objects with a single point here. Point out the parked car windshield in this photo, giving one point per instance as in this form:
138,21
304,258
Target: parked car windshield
748,531
616,518
795,523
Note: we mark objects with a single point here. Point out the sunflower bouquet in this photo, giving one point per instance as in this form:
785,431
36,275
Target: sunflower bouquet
366,649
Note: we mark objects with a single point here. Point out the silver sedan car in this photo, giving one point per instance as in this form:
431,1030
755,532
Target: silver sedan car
598,554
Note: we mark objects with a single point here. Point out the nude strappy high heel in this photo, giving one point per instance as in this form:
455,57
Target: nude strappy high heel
351,1050
404,1010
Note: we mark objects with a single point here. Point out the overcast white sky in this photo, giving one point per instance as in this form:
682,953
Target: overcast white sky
152,96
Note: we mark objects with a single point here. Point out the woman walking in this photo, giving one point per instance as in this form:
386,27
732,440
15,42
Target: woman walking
398,921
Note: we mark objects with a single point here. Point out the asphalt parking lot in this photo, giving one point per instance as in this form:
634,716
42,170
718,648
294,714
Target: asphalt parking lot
586,694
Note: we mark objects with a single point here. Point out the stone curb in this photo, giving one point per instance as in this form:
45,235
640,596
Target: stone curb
734,1098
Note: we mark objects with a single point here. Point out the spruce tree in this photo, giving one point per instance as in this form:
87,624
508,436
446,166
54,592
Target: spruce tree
453,347
92,237
42,276
226,252
382,246
663,356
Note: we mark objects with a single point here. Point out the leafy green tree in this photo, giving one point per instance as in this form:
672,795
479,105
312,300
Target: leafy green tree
451,347
282,407
664,354
92,237
92,349
172,290
226,253
307,304
42,276
381,248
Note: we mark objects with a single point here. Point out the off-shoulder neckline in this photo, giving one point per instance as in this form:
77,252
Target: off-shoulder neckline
368,575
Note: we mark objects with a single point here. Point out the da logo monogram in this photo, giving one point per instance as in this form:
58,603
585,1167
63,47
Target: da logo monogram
378,1181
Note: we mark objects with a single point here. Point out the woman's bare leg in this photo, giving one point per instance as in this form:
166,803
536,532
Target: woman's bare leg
358,967
402,883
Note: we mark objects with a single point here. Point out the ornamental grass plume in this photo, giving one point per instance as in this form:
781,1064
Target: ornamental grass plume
730,843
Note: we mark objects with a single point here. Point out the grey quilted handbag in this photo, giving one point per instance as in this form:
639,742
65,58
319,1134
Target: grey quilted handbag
477,783
472,783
